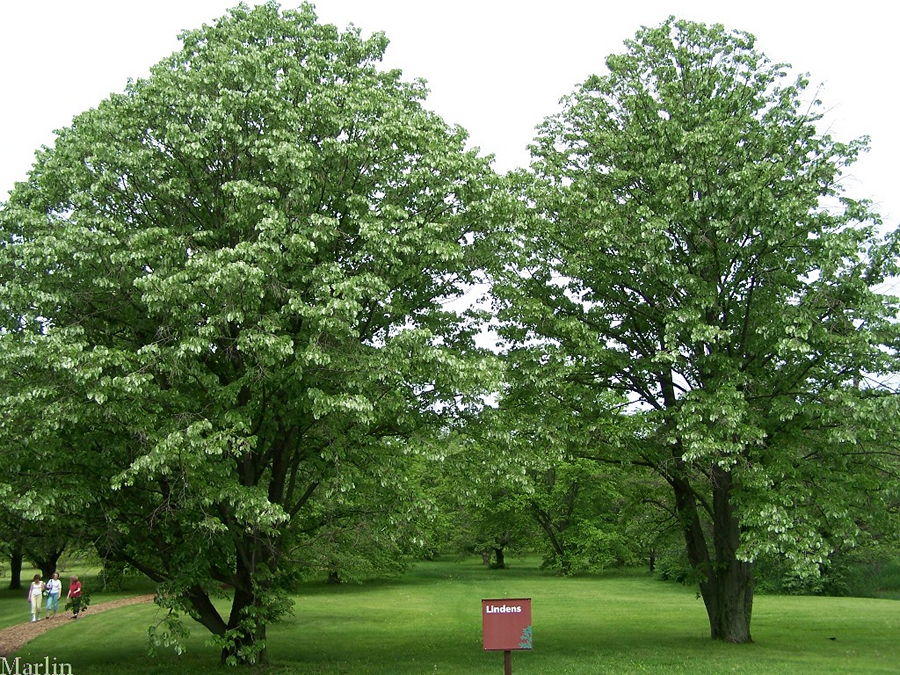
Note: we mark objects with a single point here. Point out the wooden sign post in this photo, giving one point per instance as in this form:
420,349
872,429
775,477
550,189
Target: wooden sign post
506,627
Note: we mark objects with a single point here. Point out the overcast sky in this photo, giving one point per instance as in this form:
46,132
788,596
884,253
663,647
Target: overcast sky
495,67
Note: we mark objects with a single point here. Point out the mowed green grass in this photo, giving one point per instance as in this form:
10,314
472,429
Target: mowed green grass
429,621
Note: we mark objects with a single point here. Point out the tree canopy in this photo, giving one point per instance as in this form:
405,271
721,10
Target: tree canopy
689,257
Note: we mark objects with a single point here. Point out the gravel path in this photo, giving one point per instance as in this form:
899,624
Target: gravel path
15,637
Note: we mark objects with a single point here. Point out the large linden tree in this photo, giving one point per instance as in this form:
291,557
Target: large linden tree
691,271
224,297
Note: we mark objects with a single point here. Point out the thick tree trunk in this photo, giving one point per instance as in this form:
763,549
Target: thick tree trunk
248,643
247,622
15,567
726,583
245,629
500,560
734,603
734,578
247,640
206,613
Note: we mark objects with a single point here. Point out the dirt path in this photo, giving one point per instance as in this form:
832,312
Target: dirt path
15,637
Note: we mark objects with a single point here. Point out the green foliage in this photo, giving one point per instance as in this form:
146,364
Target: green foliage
673,565
168,633
116,575
476,492
224,291
582,509
370,530
590,548
79,604
857,573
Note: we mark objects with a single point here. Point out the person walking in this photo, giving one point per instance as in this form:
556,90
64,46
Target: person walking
35,593
54,590
74,595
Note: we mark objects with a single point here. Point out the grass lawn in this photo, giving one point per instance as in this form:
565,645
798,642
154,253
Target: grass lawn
429,621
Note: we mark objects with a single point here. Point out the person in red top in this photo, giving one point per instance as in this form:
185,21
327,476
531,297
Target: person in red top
75,596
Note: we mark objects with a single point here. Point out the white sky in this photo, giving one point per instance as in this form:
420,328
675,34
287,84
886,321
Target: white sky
497,67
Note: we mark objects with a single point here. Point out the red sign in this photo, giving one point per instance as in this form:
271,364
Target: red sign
506,624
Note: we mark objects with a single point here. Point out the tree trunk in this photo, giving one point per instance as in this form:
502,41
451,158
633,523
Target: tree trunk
246,633
15,567
45,555
48,565
733,602
726,583
247,644
543,519
500,559
334,573
206,613
734,578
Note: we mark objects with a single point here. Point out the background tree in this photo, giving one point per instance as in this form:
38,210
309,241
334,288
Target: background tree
373,529
11,548
479,494
549,419
44,546
691,249
226,284
498,522
586,509
649,520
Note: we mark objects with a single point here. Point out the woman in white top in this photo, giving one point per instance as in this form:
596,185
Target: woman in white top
35,593
54,590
